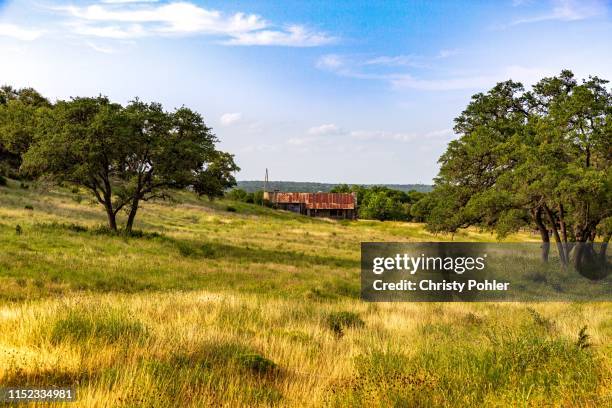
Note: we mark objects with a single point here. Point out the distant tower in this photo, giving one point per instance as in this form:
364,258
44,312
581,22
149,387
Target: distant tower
266,194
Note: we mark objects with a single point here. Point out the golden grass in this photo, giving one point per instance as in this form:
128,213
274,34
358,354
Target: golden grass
231,309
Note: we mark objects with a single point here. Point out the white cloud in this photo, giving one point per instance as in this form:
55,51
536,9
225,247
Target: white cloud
228,119
121,19
395,72
317,136
19,33
293,36
100,48
330,61
324,130
127,1
569,10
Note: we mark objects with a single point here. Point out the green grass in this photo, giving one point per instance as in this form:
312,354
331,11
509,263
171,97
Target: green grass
210,306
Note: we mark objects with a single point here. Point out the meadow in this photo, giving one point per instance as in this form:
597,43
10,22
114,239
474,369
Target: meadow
230,304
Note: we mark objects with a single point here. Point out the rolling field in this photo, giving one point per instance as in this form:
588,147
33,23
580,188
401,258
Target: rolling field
230,304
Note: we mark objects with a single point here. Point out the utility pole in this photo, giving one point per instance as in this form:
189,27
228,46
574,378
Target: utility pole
265,186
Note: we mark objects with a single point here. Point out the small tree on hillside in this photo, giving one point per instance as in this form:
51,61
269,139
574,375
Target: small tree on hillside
217,177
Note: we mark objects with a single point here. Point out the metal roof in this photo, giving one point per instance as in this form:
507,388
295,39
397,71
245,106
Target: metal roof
318,201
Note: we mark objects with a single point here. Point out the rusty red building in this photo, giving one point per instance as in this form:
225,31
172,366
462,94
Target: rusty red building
328,205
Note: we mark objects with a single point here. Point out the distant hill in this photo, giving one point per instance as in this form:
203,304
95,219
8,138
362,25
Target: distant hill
308,187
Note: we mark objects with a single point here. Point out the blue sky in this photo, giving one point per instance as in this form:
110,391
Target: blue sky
332,91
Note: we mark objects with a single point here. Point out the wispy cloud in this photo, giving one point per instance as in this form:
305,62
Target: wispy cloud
19,33
330,134
568,10
396,73
127,1
292,36
326,129
123,19
228,119
100,48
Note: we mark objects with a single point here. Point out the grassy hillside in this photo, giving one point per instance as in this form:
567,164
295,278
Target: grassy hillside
311,187
257,307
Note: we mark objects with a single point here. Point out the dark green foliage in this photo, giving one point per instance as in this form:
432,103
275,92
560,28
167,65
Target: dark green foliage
217,177
381,202
2,180
28,207
19,115
340,321
230,208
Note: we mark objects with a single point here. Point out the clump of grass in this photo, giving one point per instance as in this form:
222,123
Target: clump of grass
583,339
28,207
105,325
3,181
231,208
257,363
340,321
540,320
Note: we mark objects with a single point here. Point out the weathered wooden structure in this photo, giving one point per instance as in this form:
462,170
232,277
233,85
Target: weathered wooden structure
328,205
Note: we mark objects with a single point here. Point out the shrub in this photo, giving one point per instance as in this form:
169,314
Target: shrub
230,208
339,321
28,207
2,180
257,363
583,339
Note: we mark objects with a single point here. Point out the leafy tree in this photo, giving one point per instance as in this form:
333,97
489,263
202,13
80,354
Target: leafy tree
218,175
237,194
539,158
18,114
124,156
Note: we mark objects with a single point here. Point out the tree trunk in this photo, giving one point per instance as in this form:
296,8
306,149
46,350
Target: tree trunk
537,215
112,220
132,216
562,225
558,241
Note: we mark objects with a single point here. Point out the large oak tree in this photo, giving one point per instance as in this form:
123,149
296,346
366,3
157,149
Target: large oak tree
532,158
123,155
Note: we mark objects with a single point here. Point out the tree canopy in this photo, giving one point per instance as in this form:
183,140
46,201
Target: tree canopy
123,155
536,158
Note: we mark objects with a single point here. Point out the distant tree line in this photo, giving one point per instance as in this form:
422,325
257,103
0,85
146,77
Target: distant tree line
124,155
252,186
538,159
383,203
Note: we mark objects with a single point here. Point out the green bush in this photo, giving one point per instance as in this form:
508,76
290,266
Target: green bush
257,363
2,180
339,321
